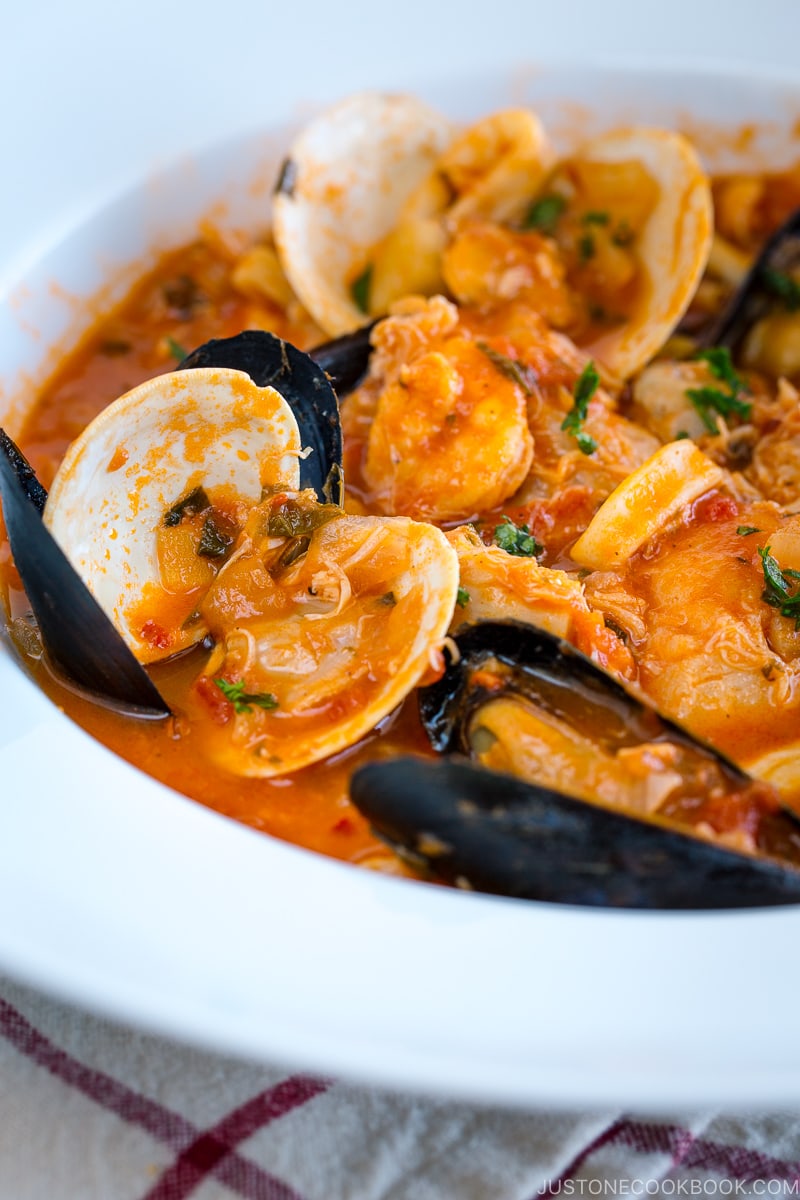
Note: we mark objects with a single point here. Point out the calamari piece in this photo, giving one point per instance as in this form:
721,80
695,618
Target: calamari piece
644,503
450,435
320,640
343,188
149,499
503,587
498,586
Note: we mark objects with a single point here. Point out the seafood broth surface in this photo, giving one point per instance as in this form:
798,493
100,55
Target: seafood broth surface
537,362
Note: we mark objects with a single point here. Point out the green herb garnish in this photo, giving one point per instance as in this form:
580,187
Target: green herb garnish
462,597
586,247
359,289
291,519
708,400
777,590
784,286
516,539
586,386
721,367
596,218
196,502
214,542
746,530
681,435
176,349
514,370
543,214
389,599
243,701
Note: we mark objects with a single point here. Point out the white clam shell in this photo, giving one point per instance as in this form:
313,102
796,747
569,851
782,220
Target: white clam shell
337,673
673,247
353,167
208,427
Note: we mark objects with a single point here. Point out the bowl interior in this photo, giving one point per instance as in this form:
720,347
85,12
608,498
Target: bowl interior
130,898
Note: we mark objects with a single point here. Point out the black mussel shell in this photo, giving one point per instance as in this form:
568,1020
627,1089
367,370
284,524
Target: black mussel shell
345,359
499,833
757,294
495,833
550,670
271,362
80,641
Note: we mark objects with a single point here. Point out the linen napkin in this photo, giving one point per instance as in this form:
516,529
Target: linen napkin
90,1110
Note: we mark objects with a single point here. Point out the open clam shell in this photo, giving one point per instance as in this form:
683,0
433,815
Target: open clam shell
208,428
341,191
78,639
336,640
672,248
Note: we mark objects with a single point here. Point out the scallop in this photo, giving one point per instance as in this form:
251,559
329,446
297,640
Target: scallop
177,459
672,247
341,191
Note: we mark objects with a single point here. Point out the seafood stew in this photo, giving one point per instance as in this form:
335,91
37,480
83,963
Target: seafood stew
544,435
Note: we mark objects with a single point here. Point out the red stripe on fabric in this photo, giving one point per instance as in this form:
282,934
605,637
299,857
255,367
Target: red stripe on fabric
687,1152
736,1162
240,1174
195,1163
572,1168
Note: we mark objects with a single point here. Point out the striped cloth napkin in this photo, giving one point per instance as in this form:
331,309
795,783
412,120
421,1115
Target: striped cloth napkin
92,1111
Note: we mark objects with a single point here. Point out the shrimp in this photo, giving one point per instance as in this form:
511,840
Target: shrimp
450,434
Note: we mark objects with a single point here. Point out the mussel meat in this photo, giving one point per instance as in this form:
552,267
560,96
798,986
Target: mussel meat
574,789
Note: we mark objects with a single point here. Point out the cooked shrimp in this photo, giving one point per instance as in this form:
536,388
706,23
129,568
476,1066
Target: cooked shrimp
450,434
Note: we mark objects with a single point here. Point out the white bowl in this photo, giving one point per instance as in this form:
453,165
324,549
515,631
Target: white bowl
133,900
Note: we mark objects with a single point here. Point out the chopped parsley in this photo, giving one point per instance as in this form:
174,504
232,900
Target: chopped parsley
360,287
596,217
543,214
462,598
721,367
292,518
516,539
586,247
243,701
777,588
708,401
214,541
514,370
784,286
586,386
746,530
196,502
176,349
